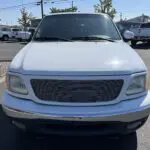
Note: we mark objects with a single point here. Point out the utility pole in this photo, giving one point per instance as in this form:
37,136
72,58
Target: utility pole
22,3
72,3
120,16
42,9
41,3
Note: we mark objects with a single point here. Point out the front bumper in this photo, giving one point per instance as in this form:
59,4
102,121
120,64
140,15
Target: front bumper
71,128
125,111
142,38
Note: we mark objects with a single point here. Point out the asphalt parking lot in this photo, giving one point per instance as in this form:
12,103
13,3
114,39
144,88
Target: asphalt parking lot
144,51
9,49
11,139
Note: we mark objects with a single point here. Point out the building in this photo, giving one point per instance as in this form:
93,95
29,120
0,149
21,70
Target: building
140,19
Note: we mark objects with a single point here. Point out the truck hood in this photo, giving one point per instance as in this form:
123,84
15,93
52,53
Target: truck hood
77,58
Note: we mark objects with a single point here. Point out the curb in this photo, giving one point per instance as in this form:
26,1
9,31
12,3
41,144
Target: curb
3,68
2,75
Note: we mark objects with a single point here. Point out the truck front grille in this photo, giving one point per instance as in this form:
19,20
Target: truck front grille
77,91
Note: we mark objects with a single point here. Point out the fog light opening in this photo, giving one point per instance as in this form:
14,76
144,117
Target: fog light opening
19,125
134,125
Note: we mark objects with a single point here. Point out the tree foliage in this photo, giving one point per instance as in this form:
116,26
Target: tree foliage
25,19
57,10
105,6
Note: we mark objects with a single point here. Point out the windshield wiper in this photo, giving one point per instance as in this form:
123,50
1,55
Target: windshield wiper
51,39
91,38
83,38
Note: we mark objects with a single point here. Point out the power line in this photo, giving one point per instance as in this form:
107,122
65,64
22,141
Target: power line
38,3
42,6
121,16
15,6
64,1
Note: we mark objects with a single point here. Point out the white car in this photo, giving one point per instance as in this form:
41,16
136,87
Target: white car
77,76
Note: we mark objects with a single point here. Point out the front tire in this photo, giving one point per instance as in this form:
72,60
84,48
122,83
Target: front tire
5,38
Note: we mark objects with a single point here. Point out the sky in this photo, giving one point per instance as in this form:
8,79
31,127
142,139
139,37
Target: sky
129,8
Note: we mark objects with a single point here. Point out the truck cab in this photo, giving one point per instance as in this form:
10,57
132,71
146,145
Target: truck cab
5,33
77,76
14,32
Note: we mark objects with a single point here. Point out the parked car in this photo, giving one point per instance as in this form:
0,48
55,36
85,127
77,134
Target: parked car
77,76
5,33
26,35
141,34
23,36
14,32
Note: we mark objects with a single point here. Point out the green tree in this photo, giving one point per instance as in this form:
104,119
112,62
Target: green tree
25,19
105,6
57,10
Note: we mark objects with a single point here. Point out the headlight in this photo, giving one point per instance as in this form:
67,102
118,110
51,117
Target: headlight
16,84
137,85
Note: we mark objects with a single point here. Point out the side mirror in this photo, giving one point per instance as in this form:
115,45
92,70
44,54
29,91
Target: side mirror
128,35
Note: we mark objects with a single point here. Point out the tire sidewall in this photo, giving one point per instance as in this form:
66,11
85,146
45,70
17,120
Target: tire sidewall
5,38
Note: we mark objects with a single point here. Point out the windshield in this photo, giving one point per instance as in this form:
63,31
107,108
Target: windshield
15,30
75,26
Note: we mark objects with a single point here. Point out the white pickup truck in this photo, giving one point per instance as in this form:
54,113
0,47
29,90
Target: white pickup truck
5,33
25,35
77,76
14,32
141,34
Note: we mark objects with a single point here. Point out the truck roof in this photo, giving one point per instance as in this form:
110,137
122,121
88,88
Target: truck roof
72,13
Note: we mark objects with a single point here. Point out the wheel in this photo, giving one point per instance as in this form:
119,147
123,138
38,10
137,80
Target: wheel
133,43
5,37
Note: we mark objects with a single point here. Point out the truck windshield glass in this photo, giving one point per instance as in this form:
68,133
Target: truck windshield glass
145,25
65,27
